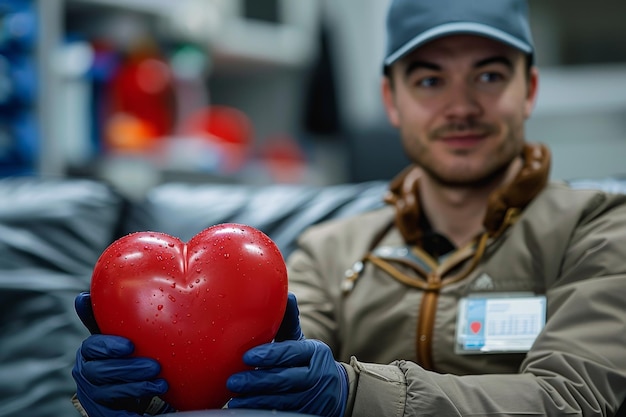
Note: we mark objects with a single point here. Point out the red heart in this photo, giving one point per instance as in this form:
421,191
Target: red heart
475,326
195,307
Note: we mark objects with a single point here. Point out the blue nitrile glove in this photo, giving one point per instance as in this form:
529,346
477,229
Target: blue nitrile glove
109,381
292,375
82,304
290,326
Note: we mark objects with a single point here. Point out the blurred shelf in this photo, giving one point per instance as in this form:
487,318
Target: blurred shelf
243,45
157,7
239,37
235,39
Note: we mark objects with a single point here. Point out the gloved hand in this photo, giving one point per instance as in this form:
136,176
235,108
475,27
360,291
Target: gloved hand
109,381
82,305
295,375
290,326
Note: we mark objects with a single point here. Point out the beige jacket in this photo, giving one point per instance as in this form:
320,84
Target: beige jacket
567,244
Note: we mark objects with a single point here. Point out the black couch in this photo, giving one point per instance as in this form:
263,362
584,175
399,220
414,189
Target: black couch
52,231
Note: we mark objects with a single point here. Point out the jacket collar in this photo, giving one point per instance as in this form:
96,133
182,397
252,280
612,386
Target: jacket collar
403,193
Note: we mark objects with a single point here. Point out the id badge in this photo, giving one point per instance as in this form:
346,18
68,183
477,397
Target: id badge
503,323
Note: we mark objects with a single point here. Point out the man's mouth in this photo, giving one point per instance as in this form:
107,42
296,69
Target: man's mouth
465,139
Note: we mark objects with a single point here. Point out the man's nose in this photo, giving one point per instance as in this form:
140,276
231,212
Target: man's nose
462,102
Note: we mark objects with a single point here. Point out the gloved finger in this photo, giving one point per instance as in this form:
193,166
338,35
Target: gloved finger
290,326
107,371
282,354
284,402
98,410
84,309
110,394
271,381
106,347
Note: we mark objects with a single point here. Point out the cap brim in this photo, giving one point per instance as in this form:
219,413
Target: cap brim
457,28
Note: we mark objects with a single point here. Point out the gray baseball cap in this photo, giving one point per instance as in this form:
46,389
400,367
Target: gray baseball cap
412,23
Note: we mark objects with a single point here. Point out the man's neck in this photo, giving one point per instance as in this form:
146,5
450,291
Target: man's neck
458,212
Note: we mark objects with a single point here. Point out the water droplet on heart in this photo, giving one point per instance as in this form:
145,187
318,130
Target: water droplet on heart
226,255
159,257
173,353
213,340
173,285
199,270
189,342
171,297
171,245
188,314
160,307
118,254
198,281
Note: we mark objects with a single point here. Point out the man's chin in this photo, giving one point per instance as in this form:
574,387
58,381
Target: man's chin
468,179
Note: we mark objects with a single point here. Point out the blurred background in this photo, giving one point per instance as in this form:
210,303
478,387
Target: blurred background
139,92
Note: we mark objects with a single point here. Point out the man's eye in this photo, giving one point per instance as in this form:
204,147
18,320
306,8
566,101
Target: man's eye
428,82
490,77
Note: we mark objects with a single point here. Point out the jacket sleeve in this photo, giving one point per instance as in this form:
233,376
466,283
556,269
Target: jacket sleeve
577,365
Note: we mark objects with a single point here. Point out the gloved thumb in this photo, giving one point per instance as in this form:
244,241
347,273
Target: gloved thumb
82,305
290,326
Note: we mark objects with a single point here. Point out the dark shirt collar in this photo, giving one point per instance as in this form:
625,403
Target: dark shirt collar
433,243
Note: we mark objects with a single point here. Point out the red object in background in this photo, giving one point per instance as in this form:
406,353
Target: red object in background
220,123
195,307
142,100
284,159
228,129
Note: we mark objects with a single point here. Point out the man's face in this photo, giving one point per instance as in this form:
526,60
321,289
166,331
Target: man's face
460,103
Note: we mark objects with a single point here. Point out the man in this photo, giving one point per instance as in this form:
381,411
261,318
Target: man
482,288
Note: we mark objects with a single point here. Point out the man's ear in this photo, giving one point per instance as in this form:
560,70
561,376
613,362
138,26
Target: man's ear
388,96
532,91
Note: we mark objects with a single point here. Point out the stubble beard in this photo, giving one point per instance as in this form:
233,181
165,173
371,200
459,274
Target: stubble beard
507,153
